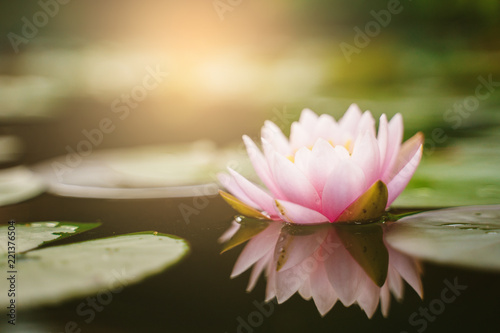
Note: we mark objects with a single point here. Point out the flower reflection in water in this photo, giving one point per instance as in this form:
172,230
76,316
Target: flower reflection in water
328,263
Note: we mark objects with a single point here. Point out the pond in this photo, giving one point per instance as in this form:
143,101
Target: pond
117,118
197,293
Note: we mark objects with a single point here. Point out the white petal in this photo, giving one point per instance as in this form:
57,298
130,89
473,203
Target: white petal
402,178
317,164
255,193
269,153
342,153
366,155
366,124
299,137
302,159
394,139
230,184
273,134
308,119
349,122
382,138
327,128
260,165
344,185
298,214
294,184
351,117
324,158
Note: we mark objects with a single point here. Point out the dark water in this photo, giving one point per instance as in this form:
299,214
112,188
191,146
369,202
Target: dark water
197,294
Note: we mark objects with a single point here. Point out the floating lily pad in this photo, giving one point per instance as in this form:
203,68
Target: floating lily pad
30,236
141,172
465,173
29,97
462,236
18,184
98,267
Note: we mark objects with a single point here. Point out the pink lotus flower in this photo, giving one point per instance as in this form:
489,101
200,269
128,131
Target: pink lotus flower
319,266
327,171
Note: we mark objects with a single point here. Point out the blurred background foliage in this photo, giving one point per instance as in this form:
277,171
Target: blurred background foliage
233,64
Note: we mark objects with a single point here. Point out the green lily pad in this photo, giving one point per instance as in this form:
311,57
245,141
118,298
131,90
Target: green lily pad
18,184
465,173
461,236
366,245
32,235
29,97
157,171
98,267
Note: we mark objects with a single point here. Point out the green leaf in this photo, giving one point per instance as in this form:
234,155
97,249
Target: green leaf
462,236
393,216
103,266
156,171
369,206
466,173
18,184
366,245
248,228
32,235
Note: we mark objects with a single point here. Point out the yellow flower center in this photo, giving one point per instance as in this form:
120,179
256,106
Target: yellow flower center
347,146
